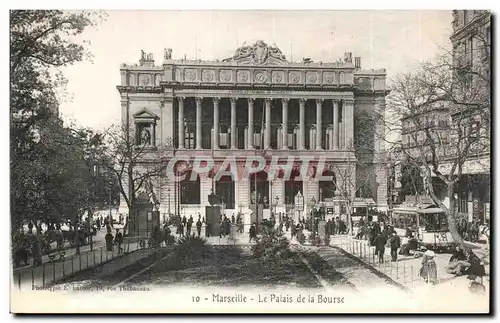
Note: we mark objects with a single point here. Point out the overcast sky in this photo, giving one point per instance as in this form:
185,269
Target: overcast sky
394,40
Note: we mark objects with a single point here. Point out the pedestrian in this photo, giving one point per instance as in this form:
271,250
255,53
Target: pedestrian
395,245
189,225
198,226
233,219
119,240
380,242
428,271
184,224
36,250
293,230
109,240
287,225
228,226
457,265
253,233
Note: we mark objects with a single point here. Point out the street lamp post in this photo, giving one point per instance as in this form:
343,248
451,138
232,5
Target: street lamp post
312,204
168,196
277,199
270,195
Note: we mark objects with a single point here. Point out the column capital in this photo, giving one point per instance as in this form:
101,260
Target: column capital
251,100
319,101
233,100
268,100
181,98
216,100
285,100
302,101
199,99
349,101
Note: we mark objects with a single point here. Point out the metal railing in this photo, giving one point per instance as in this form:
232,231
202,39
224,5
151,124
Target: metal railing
59,266
398,271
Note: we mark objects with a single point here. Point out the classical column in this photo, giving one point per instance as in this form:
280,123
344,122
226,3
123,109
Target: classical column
285,123
250,123
233,123
343,140
302,123
348,121
319,126
199,100
181,122
335,124
216,123
267,138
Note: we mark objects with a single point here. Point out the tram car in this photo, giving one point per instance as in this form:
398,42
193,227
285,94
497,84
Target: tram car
428,224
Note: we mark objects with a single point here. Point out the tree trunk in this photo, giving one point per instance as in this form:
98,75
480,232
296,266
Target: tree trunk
452,222
77,235
450,212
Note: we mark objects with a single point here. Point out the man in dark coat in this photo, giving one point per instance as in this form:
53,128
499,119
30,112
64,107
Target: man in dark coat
109,240
189,225
380,241
184,224
119,240
198,227
395,244
253,233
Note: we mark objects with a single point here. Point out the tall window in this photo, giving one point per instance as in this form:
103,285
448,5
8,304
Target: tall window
327,188
259,181
224,188
190,189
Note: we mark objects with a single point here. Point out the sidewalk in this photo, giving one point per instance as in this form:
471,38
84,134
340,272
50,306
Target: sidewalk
97,242
28,278
405,270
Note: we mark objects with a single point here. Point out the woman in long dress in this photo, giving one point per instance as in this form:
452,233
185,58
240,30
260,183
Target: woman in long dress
429,269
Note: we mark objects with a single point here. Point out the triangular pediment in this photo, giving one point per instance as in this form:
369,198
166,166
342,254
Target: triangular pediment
145,114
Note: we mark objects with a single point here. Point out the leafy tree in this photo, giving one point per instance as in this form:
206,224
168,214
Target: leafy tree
49,174
444,111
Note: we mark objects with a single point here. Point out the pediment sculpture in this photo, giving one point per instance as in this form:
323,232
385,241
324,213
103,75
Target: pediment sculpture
258,54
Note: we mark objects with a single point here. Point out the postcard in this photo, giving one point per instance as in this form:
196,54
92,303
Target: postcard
250,161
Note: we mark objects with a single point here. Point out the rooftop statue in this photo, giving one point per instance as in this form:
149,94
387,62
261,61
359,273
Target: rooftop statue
259,54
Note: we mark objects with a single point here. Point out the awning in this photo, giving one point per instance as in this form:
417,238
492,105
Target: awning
473,166
431,210
366,202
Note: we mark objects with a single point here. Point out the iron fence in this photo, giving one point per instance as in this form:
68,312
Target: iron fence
399,271
59,267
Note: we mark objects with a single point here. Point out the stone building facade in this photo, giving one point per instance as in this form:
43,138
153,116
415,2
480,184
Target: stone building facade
255,103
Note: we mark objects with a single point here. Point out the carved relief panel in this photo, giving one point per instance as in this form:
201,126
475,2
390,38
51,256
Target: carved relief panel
312,77
278,77
328,77
243,76
208,75
295,77
145,79
364,83
226,76
190,74
261,76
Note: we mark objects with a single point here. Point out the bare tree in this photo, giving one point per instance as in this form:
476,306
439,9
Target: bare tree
354,179
134,161
443,116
